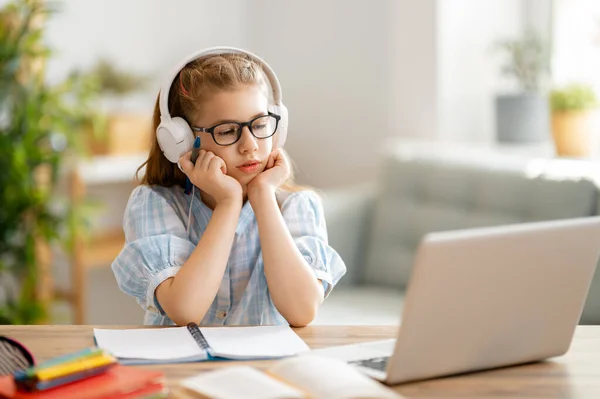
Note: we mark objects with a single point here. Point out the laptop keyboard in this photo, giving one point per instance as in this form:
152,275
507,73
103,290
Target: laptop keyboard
377,363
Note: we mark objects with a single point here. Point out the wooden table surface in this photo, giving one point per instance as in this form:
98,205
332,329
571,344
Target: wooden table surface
574,375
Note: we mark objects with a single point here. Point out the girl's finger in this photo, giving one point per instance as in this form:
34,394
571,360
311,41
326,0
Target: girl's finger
206,160
217,163
186,165
271,160
281,158
201,155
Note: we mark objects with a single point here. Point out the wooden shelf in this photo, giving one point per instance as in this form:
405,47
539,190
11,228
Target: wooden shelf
102,249
107,169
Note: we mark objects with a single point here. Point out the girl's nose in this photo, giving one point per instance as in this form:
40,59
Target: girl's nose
247,143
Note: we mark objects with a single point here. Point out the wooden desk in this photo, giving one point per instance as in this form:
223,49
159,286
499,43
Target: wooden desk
575,375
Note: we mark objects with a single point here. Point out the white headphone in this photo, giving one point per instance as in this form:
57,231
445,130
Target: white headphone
174,135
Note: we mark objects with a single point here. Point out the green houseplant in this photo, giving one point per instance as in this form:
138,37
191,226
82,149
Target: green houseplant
574,97
113,80
575,120
523,116
128,129
40,127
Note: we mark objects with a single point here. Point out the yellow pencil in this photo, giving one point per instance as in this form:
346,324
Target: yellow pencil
72,367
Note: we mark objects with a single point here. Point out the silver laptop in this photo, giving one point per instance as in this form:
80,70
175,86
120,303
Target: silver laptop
484,298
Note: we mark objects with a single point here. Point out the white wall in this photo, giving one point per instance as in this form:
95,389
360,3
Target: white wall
146,37
576,57
414,59
538,15
468,71
353,72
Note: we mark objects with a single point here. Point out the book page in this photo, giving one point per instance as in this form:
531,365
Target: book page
238,382
327,378
258,342
159,344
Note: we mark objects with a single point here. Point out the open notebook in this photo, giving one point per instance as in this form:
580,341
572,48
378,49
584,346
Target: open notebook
300,377
192,343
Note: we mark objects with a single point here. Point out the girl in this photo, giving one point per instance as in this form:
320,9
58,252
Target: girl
247,246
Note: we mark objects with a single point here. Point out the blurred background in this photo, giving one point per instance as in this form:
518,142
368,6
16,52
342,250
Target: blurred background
408,116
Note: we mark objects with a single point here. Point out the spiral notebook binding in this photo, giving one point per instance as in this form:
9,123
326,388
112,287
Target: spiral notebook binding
197,335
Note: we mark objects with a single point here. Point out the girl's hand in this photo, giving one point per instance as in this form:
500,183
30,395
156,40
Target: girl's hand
209,174
276,173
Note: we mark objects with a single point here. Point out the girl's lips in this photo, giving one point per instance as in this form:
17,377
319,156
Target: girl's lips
249,168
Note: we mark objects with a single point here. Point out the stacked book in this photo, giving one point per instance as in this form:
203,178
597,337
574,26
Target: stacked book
92,373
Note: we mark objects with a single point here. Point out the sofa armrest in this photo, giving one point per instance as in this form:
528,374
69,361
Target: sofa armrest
591,310
348,216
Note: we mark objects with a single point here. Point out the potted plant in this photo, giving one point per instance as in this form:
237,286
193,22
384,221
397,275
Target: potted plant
575,121
523,117
40,128
128,129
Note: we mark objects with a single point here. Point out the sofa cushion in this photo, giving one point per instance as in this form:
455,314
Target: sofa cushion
361,305
420,195
348,214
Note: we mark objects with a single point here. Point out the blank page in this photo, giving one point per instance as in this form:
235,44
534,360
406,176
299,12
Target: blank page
239,382
327,378
253,342
149,343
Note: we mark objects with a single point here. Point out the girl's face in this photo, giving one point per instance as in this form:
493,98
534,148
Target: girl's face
248,157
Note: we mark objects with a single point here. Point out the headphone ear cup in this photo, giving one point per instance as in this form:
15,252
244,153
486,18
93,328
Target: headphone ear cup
187,134
281,134
175,138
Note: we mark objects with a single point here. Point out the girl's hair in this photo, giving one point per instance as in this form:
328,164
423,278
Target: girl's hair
192,86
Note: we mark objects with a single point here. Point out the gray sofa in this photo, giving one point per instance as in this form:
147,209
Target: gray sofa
376,227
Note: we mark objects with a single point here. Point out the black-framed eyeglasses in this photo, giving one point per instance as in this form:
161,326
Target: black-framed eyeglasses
228,133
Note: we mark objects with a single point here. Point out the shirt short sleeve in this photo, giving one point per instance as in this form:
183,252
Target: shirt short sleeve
304,216
156,245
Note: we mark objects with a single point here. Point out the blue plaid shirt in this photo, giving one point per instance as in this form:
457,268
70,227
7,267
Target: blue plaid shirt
157,245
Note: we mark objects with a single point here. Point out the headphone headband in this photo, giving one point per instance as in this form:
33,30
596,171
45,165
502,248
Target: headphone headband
164,90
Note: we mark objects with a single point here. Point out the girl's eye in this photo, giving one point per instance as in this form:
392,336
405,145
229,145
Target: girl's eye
261,126
226,132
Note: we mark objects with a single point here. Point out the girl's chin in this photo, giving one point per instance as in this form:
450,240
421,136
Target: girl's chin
244,183
245,178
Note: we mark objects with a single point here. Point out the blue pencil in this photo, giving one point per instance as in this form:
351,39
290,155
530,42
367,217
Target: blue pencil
193,157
